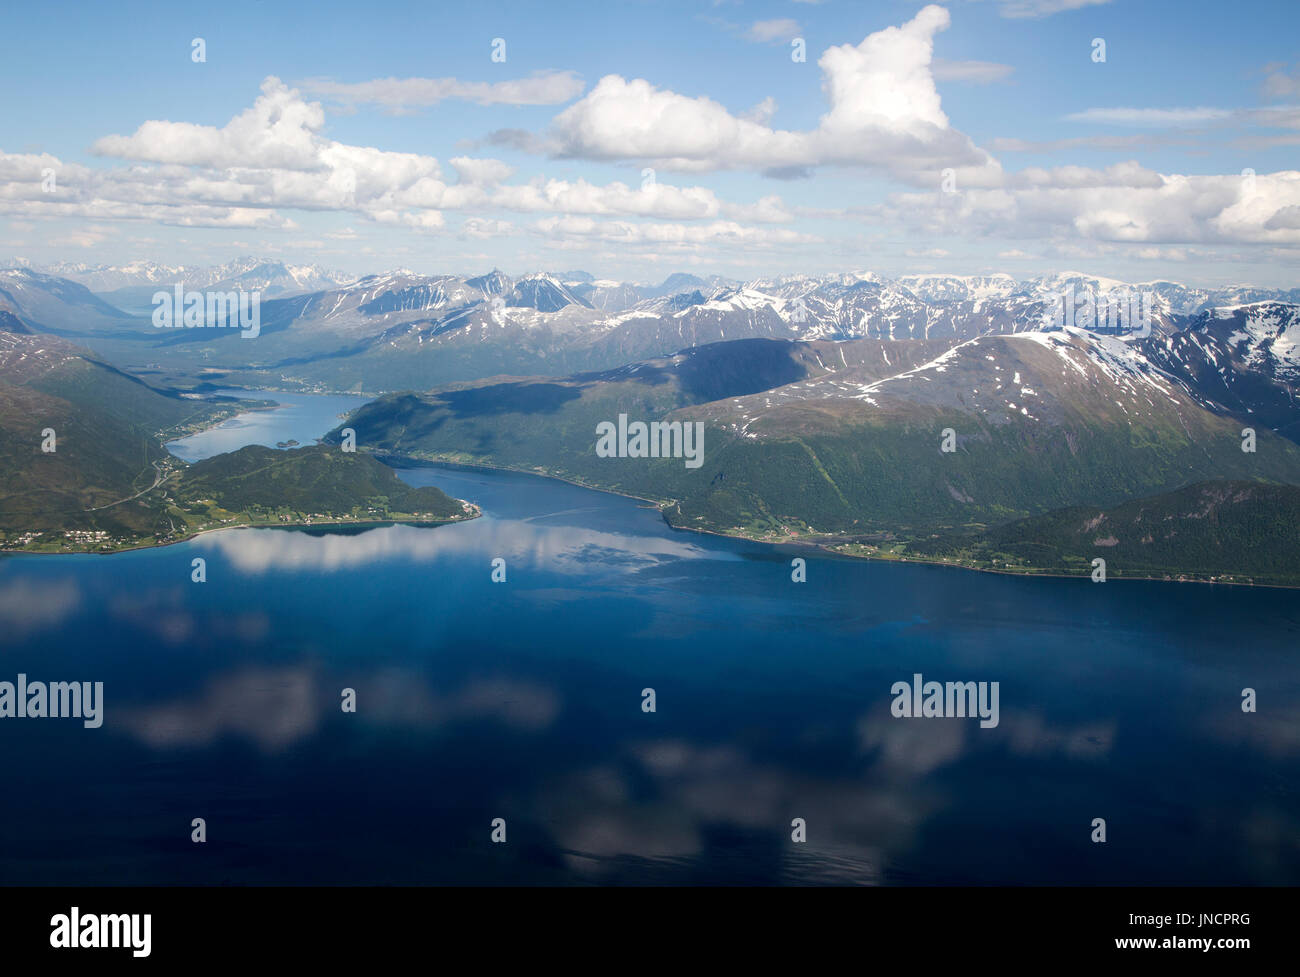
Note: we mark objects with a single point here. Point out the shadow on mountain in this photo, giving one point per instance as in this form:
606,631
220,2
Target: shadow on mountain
508,398
717,371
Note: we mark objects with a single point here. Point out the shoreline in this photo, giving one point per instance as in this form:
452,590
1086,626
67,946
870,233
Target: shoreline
361,524
214,426
475,512
825,548
415,461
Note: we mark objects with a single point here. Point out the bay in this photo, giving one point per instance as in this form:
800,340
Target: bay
522,700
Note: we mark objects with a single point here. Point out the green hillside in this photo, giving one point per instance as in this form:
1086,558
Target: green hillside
806,458
846,457
110,483
107,441
1232,531
268,484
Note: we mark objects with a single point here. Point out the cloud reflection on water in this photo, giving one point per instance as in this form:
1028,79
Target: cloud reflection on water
271,707
563,549
28,606
275,708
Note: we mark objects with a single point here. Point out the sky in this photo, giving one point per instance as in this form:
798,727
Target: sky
1135,139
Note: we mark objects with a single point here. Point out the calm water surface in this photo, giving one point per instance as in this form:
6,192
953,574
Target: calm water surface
522,700
299,417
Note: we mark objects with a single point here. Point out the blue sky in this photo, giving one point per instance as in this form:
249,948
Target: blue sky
1131,167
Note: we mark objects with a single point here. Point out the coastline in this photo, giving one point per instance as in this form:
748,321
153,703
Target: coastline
475,513
822,547
216,424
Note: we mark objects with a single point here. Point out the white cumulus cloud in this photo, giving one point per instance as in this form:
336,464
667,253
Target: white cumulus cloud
884,112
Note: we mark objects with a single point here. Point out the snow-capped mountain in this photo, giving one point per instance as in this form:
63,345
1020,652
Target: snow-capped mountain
108,278
847,436
958,288
402,293
1244,358
606,295
402,329
493,283
274,278
270,276
48,303
545,293
1264,335
1028,377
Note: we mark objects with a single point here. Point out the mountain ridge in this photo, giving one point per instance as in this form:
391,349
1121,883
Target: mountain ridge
853,449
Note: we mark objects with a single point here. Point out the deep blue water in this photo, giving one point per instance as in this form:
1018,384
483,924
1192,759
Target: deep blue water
522,700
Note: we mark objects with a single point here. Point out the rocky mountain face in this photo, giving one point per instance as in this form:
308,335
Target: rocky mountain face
1244,358
402,330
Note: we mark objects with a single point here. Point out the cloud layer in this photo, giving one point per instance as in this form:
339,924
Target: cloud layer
274,164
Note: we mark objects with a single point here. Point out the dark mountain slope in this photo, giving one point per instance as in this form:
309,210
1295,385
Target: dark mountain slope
1225,530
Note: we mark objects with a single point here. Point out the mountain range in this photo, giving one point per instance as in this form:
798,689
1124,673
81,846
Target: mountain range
1231,348
876,416
843,443
130,287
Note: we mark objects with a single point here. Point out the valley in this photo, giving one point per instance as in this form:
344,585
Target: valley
853,459
86,469
920,418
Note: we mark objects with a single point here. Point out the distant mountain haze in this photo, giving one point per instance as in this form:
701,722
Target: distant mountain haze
1231,348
